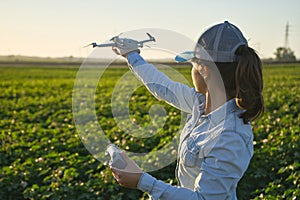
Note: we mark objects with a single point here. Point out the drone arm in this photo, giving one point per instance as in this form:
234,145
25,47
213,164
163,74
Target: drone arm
151,39
140,43
105,45
144,41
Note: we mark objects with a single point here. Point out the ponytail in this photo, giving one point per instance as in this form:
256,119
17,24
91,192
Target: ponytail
249,84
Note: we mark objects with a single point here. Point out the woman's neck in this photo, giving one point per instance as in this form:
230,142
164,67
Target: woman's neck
214,100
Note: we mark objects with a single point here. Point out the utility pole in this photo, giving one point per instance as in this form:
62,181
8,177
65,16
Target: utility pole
286,38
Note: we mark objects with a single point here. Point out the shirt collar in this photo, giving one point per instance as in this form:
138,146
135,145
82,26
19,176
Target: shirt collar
220,113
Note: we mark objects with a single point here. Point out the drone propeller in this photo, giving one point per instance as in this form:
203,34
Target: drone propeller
151,37
115,37
91,44
149,45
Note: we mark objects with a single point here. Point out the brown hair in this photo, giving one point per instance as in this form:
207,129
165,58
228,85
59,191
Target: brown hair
243,80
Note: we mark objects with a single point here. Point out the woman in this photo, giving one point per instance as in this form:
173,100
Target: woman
216,144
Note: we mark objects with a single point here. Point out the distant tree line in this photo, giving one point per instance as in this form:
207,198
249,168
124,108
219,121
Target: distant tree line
284,54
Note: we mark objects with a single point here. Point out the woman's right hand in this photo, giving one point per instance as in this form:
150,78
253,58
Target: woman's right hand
127,46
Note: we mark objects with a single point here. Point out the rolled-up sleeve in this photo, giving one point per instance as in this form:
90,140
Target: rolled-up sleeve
159,190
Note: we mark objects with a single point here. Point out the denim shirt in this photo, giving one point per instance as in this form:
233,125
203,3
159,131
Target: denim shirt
214,150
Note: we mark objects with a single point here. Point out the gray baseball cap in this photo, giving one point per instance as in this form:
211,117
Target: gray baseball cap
217,44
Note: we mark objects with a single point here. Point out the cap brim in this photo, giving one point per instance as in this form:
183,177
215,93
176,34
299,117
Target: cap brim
184,57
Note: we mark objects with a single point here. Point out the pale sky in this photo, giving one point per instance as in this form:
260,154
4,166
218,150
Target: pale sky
60,28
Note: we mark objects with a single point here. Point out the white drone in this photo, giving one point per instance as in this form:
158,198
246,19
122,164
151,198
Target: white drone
117,41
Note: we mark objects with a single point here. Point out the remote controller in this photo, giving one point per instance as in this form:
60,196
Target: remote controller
116,159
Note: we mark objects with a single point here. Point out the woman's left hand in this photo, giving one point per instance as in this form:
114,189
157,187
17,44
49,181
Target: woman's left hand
130,176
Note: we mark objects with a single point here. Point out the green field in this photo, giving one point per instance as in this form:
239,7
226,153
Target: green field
42,156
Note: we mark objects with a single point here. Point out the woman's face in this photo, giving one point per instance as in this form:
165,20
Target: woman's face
199,73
